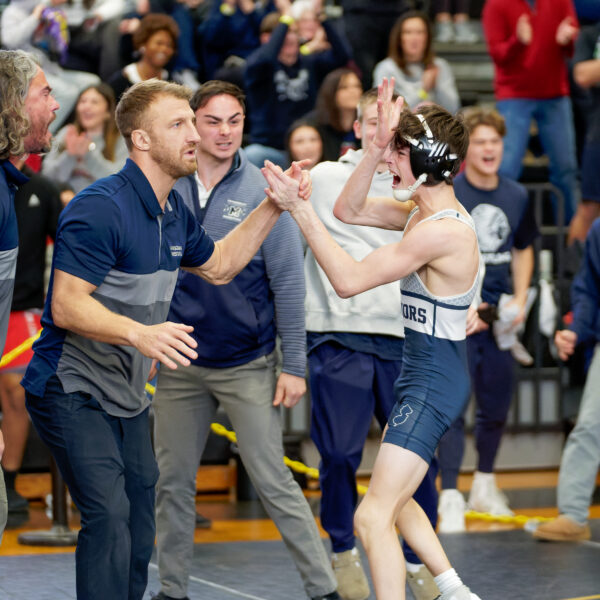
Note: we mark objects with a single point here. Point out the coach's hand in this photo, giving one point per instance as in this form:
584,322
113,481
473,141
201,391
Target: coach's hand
168,343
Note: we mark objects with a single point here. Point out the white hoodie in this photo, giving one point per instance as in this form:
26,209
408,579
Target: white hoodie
376,311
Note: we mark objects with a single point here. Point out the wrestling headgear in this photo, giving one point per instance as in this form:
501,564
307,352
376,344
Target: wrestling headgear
431,161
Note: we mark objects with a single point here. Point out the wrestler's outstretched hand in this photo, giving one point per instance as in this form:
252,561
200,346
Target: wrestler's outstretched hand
388,113
284,188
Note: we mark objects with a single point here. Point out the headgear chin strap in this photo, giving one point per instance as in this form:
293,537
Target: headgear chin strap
406,194
429,157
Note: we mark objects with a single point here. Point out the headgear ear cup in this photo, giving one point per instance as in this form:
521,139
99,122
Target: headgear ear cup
431,157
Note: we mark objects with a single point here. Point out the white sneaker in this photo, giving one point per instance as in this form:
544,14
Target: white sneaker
485,496
464,33
451,512
444,32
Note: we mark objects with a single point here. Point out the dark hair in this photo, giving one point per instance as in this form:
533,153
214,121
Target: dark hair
444,126
326,109
302,122
395,41
111,132
213,88
153,23
474,116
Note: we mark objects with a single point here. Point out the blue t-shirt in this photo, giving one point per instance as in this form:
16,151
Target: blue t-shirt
10,178
503,220
115,236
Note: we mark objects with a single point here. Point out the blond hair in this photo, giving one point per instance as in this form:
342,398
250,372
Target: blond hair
132,109
474,116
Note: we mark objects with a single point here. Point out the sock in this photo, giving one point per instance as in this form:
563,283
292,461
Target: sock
9,479
483,476
412,567
448,581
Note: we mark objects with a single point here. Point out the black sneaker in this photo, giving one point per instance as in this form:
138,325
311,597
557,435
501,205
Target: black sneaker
16,502
203,522
163,596
332,596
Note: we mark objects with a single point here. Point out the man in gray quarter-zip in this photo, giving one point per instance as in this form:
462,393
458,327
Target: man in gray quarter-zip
119,246
235,327
27,108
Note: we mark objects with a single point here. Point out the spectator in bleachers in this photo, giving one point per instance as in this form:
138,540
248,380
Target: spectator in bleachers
308,14
156,42
22,26
529,49
368,25
281,83
185,68
335,112
94,35
420,75
229,34
91,147
586,73
452,22
304,142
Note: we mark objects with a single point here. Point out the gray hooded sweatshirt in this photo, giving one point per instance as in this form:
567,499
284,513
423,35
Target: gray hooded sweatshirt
376,311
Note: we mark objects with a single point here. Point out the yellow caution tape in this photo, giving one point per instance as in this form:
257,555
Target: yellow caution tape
313,473
295,465
23,347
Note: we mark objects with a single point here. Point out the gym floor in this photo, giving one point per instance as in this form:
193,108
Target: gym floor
242,556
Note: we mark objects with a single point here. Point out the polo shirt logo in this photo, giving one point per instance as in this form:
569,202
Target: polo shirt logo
176,251
235,210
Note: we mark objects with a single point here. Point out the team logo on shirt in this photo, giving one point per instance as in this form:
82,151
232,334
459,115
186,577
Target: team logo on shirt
493,229
176,251
295,89
403,414
235,210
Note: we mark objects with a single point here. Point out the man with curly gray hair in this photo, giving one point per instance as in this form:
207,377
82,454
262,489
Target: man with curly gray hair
26,110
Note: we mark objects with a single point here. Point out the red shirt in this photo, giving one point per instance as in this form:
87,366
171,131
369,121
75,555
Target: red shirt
537,70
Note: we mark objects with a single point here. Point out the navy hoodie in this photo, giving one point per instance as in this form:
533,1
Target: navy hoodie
238,322
277,94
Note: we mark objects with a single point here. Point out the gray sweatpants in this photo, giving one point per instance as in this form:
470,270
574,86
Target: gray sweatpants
581,456
184,405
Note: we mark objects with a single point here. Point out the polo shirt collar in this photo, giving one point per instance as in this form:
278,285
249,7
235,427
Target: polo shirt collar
144,190
14,177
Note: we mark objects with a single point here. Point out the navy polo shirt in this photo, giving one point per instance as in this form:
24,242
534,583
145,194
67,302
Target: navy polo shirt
10,179
115,235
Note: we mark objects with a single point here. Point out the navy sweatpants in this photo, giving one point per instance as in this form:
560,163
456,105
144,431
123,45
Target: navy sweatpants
347,388
108,465
492,380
